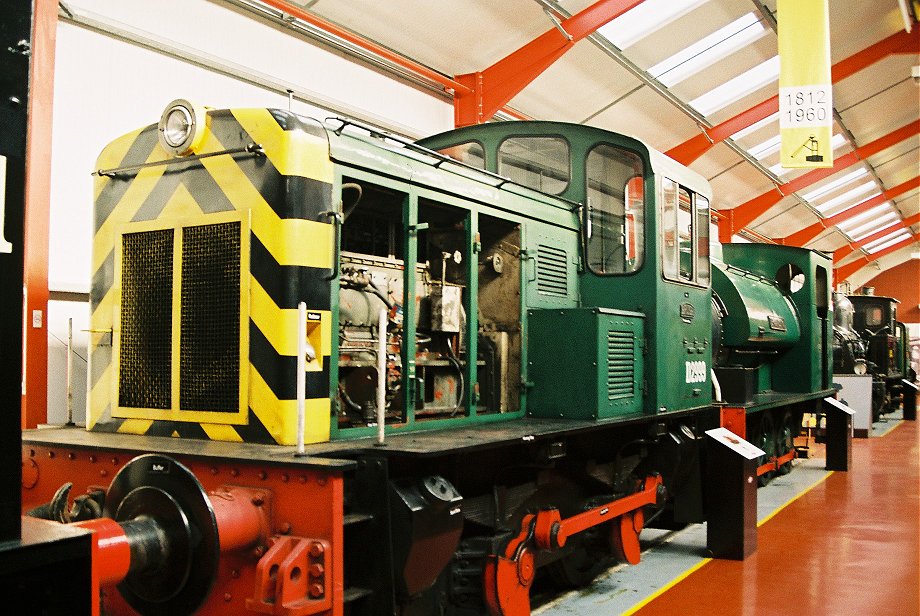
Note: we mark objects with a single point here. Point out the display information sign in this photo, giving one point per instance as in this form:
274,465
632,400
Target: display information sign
736,443
806,112
839,405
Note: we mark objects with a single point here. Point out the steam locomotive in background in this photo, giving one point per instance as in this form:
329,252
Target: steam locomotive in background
868,339
506,358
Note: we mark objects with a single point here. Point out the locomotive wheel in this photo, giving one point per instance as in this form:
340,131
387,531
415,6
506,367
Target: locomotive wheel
586,554
766,441
785,441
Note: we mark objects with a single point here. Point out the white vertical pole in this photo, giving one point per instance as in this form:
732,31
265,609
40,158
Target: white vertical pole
381,374
301,373
70,371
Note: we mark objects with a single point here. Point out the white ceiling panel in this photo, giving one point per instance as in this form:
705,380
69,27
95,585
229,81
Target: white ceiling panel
788,214
578,71
647,116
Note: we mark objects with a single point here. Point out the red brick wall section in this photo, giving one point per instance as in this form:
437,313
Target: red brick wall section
902,283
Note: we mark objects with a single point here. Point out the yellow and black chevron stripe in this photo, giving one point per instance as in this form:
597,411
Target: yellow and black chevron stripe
277,200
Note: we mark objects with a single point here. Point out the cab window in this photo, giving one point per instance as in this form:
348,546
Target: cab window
874,316
684,234
470,153
541,163
614,217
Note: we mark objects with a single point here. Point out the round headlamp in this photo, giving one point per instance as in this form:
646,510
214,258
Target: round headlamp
181,127
860,367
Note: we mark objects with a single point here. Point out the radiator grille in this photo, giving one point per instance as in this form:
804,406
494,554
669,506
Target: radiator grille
620,364
552,272
209,353
145,369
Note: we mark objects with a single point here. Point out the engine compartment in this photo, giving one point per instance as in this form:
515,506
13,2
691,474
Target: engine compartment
427,311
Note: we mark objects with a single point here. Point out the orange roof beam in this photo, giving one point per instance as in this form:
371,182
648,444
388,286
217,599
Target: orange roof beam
487,91
693,148
844,251
845,271
800,238
742,215
365,44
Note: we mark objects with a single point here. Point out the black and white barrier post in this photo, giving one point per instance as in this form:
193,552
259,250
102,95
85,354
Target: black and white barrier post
909,399
838,434
731,468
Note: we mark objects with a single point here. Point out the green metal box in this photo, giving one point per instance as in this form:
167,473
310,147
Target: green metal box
586,363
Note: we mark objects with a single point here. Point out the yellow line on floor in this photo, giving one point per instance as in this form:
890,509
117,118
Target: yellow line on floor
796,497
665,588
890,429
638,606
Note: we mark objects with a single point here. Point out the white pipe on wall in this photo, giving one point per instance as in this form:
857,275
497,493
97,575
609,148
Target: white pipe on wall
381,375
301,374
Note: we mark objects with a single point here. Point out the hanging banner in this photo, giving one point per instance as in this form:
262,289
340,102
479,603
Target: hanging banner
805,105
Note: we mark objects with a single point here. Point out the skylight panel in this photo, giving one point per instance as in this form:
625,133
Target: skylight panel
768,147
874,227
779,171
849,196
859,218
744,132
708,50
642,20
737,87
834,185
885,242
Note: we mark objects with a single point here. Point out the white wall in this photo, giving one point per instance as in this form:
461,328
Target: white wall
105,86
58,313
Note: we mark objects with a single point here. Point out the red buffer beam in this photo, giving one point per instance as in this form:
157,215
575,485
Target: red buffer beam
800,238
487,91
693,148
845,271
742,215
844,251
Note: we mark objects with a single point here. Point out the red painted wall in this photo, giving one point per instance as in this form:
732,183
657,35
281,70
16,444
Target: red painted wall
902,283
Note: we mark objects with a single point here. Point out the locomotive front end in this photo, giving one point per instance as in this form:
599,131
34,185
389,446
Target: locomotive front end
209,228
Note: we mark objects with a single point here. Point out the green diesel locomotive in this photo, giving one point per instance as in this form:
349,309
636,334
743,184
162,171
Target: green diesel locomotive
388,377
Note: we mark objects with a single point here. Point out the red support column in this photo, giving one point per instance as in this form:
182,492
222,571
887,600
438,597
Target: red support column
38,203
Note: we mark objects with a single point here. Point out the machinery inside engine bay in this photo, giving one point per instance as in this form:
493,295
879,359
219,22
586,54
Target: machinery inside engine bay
430,329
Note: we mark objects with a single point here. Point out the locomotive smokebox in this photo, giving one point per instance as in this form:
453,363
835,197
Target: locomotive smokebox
427,521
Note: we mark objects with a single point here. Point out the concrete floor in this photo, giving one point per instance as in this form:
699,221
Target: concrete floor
679,559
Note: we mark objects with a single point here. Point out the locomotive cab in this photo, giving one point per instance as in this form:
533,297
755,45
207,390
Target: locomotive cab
875,318
633,299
